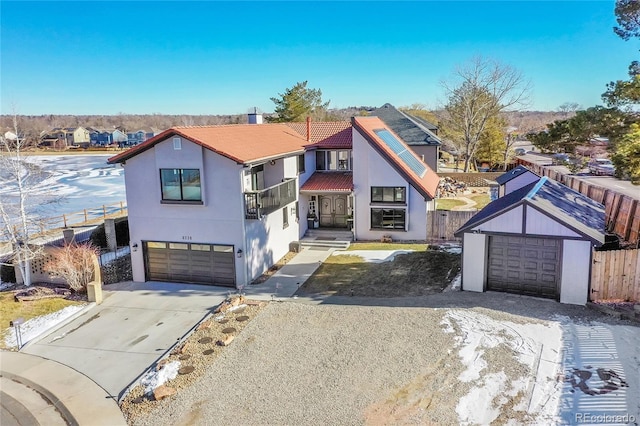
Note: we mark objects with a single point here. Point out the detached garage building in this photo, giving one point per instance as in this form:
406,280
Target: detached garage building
537,240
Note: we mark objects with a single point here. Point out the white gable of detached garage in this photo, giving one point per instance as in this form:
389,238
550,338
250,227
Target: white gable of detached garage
515,179
537,240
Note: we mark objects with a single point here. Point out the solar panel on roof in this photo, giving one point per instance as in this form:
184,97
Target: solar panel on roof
405,155
390,140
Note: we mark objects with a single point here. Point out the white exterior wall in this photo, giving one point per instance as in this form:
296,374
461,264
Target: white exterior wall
371,169
576,271
510,222
474,262
273,173
540,224
219,220
267,241
519,181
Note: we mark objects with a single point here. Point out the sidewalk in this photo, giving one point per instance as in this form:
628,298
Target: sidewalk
78,399
291,276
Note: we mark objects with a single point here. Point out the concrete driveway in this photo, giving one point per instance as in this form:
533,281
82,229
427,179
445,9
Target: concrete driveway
113,343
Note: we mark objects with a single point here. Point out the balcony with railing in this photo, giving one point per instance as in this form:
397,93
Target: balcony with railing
268,200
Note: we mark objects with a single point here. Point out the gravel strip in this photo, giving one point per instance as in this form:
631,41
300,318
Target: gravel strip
316,364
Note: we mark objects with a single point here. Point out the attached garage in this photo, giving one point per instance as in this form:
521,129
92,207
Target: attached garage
524,265
209,264
537,241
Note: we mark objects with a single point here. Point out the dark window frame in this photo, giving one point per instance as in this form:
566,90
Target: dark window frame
394,195
182,199
301,165
395,219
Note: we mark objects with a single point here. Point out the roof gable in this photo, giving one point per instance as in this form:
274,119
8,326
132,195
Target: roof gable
566,206
325,134
512,174
425,183
242,143
412,130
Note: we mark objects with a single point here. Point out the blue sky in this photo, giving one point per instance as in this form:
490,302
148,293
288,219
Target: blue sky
225,57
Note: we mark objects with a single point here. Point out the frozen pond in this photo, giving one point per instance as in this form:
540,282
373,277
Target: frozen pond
81,182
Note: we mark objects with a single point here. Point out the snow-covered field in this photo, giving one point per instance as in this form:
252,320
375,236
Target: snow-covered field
82,181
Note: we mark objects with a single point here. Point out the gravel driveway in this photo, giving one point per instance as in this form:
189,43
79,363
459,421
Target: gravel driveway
464,361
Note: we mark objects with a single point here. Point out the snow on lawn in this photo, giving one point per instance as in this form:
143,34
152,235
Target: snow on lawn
34,327
536,347
573,372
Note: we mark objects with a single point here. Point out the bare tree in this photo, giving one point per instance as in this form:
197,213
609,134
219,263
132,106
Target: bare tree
569,108
75,264
21,198
478,91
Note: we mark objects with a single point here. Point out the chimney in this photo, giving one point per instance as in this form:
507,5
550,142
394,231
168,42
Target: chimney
254,117
308,129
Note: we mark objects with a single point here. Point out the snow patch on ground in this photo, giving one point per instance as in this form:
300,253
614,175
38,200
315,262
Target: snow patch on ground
154,379
537,346
373,256
36,326
456,284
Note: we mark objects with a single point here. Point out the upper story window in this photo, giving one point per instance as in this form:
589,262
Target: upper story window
389,194
181,185
334,160
301,168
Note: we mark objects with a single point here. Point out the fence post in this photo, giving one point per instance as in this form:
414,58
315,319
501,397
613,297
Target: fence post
121,207
85,215
104,211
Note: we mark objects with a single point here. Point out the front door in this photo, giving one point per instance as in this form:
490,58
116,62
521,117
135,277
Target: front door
333,211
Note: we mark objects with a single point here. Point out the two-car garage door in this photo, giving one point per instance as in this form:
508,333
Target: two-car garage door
524,265
191,263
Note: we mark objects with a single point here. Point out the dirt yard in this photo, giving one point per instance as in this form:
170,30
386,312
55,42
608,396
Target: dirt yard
480,360
411,274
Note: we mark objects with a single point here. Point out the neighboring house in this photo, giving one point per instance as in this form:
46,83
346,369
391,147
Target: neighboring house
101,136
515,179
417,132
68,136
140,136
537,240
56,138
221,204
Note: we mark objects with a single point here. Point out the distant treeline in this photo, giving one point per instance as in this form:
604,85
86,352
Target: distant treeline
34,125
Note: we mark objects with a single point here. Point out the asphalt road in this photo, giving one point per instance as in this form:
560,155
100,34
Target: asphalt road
622,186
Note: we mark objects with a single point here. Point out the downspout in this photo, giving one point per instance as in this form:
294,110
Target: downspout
244,232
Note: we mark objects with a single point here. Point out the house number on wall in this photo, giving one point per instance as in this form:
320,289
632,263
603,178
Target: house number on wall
186,238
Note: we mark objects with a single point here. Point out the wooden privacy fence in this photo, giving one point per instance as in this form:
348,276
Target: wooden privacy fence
441,224
622,212
615,274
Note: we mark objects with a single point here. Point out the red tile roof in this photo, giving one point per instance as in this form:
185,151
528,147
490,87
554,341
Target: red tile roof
366,126
329,182
326,134
242,143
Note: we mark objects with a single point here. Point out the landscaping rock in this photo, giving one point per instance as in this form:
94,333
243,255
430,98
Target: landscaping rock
161,392
185,348
226,341
204,325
